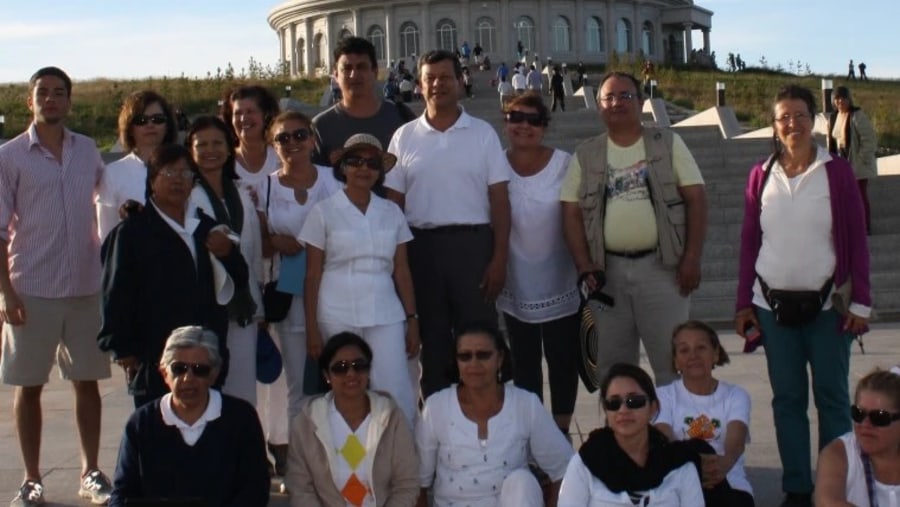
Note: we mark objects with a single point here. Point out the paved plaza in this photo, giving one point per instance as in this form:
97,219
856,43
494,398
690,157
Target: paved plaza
60,456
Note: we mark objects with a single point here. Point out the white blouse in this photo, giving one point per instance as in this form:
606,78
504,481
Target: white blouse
251,181
357,286
122,180
541,281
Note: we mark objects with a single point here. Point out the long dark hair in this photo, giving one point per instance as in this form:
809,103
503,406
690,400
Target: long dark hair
206,122
493,333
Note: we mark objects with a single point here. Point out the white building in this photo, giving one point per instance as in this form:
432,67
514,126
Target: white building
565,30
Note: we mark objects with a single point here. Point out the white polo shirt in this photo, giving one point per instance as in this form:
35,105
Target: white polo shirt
445,175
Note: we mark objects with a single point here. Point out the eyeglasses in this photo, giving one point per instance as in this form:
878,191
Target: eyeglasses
880,418
533,119
374,163
633,402
481,355
358,365
622,97
299,135
142,119
186,174
797,117
179,368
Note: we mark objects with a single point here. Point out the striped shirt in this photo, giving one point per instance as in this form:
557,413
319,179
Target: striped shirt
47,215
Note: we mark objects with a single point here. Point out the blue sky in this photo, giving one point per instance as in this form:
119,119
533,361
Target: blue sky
126,38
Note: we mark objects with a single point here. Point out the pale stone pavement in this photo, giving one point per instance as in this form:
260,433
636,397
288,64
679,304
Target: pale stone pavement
61,463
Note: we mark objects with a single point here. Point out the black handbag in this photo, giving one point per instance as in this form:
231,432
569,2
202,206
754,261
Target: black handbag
276,304
794,308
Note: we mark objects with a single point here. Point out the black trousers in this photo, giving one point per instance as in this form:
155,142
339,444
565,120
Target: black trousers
557,340
722,494
447,265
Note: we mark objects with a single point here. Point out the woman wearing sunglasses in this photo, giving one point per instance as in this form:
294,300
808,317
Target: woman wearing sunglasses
629,462
476,437
145,122
218,195
713,414
160,269
540,300
286,198
357,275
183,446
351,446
862,468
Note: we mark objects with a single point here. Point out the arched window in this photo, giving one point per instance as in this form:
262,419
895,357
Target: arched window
594,37
561,39
300,54
647,38
376,37
446,35
320,51
409,39
525,32
485,28
345,33
623,36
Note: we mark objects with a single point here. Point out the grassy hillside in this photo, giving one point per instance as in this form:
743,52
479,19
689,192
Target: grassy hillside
96,103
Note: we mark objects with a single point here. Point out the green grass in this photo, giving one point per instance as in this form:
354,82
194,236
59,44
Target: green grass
96,103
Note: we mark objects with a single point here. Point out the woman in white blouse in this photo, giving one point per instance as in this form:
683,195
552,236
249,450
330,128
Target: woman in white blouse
357,275
629,462
249,111
476,437
540,300
145,122
715,415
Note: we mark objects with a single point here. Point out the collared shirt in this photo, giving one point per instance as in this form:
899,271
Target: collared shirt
185,232
47,215
191,433
445,175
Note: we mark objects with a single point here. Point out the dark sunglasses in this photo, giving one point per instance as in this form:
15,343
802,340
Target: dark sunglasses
342,367
142,119
481,355
374,163
199,370
880,418
533,119
299,134
633,402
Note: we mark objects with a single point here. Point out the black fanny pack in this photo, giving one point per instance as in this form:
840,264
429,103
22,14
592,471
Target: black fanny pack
796,307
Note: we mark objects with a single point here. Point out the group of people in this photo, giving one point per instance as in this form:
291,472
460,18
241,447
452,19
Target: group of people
388,256
851,71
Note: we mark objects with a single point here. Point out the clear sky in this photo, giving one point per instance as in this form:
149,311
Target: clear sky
131,39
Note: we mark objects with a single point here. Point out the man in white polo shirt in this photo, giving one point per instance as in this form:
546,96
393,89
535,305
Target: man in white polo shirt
451,180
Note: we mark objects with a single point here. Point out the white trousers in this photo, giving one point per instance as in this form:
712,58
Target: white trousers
390,369
293,356
521,489
272,405
241,379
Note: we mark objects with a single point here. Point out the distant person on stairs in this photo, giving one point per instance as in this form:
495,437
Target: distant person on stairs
634,213
852,137
557,90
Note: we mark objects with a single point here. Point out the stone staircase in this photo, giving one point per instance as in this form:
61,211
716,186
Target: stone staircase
725,165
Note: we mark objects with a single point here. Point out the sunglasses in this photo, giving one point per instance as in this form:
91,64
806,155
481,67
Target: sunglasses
879,418
358,365
481,355
199,370
142,119
533,119
374,163
633,402
299,135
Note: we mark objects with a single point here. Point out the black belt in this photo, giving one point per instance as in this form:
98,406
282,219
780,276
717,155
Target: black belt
637,254
450,229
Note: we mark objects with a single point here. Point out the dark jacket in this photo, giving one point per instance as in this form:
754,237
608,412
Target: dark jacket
152,286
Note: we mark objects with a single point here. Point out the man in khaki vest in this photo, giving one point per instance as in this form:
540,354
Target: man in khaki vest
634,208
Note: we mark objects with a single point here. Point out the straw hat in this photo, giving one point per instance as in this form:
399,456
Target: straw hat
357,141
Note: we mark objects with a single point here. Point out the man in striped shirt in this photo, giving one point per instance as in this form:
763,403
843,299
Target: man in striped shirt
50,278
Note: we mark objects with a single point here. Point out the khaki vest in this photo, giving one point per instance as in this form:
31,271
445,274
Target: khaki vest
668,203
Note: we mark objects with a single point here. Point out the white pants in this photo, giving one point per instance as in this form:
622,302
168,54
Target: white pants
291,335
241,379
272,406
390,369
521,489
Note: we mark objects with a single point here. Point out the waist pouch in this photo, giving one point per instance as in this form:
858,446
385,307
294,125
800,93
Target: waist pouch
794,308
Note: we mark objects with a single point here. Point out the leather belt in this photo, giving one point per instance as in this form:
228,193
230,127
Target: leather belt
637,254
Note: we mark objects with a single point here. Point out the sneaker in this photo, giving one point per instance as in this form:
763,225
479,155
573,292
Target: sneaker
96,487
30,494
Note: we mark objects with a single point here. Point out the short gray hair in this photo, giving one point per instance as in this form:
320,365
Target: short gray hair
186,337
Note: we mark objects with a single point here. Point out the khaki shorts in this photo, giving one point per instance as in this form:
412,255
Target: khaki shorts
62,329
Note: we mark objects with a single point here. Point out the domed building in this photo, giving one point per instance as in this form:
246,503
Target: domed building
564,30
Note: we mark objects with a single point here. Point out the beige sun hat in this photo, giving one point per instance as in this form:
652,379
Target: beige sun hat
357,141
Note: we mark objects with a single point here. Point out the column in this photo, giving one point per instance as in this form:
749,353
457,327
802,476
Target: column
578,27
504,29
637,30
706,47
426,42
390,44
464,28
292,50
308,46
542,33
611,23
357,23
688,45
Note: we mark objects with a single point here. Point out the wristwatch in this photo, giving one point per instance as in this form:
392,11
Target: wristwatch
412,316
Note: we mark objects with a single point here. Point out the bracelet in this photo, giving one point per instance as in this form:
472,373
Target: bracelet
412,316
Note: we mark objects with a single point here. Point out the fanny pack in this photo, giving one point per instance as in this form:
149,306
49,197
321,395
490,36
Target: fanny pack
794,308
